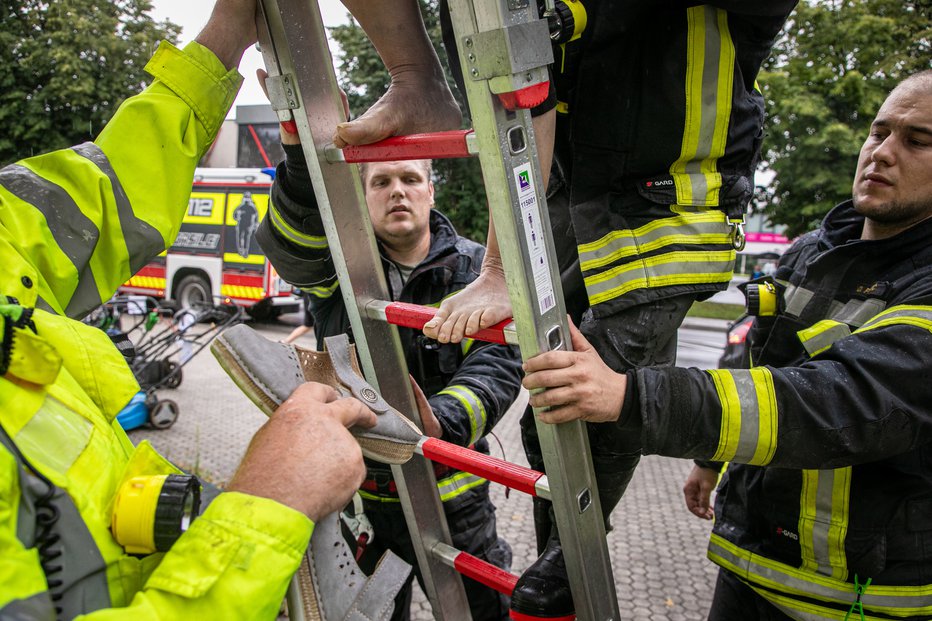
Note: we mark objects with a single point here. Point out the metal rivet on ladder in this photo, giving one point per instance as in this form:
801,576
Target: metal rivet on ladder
369,395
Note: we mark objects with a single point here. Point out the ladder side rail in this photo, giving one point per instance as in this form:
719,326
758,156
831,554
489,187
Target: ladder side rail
296,50
507,152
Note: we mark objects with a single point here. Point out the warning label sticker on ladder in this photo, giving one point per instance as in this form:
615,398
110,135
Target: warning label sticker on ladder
533,234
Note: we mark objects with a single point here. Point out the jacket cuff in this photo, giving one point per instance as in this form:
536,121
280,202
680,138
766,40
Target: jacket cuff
630,407
197,77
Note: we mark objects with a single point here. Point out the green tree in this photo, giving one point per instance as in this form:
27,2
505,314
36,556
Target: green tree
67,65
361,73
823,83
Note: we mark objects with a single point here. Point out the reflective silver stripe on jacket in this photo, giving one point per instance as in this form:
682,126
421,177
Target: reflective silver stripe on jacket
823,521
791,581
143,241
72,231
36,608
83,572
473,406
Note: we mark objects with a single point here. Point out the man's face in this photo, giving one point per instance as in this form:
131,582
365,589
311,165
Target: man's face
399,196
893,184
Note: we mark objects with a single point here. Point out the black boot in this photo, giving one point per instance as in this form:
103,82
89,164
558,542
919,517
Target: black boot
543,590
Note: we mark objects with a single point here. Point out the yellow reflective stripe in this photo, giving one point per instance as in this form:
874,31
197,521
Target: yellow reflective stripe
706,227
466,344
238,291
146,282
823,521
710,58
672,268
448,488
322,292
748,432
822,335
764,572
54,435
459,483
370,496
317,242
473,406
902,314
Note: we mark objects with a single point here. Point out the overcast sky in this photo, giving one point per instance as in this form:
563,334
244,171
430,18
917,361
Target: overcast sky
191,15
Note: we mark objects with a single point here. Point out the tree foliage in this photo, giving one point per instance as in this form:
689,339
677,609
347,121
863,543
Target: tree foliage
458,182
67,65
823,84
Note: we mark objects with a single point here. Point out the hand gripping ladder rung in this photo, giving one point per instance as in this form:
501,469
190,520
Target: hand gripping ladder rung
503,51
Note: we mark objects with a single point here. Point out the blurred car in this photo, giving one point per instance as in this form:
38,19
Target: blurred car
736,354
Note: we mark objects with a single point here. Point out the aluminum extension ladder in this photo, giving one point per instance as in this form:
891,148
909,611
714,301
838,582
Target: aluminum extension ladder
504,49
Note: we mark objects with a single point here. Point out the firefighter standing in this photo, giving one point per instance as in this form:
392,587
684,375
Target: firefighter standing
469,387
827,506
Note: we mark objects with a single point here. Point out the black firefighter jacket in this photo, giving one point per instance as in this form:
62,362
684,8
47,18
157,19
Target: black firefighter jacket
469,385
829,434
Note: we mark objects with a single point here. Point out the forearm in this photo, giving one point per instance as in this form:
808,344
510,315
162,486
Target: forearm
479,394
841,409
213,570
292,233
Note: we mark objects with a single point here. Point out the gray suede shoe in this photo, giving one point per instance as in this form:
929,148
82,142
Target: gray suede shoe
268,373
331,587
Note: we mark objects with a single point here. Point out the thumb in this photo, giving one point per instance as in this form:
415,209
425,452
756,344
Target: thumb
429,423
580,344
262,75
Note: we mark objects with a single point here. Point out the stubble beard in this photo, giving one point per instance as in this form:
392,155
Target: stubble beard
896,213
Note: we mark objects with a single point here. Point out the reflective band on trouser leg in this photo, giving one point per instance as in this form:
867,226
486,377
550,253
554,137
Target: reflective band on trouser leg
473,406
702,228
749,416
822,335
316,242
674,268
787,587
710,61
823,521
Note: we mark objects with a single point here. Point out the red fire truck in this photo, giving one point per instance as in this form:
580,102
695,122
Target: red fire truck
215,255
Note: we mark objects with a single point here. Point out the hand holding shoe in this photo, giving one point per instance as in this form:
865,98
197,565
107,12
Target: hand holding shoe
304,457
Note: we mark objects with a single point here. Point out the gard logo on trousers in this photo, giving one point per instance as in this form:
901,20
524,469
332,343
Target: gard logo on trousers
787,533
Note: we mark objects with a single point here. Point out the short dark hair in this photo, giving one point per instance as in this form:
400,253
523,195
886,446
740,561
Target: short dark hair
364,169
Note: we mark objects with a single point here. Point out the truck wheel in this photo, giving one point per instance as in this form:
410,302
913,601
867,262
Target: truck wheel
193,290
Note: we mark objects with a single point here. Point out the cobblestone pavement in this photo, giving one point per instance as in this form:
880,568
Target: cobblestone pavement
657,547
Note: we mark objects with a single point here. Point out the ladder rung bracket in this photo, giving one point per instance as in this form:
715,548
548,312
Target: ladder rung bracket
506,473
472,567
434,146
408,315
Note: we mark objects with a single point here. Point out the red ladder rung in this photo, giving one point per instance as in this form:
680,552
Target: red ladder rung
492,468
477,569
437,145
415,316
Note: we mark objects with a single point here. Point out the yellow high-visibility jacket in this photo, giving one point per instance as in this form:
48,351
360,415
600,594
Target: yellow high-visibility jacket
74,225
